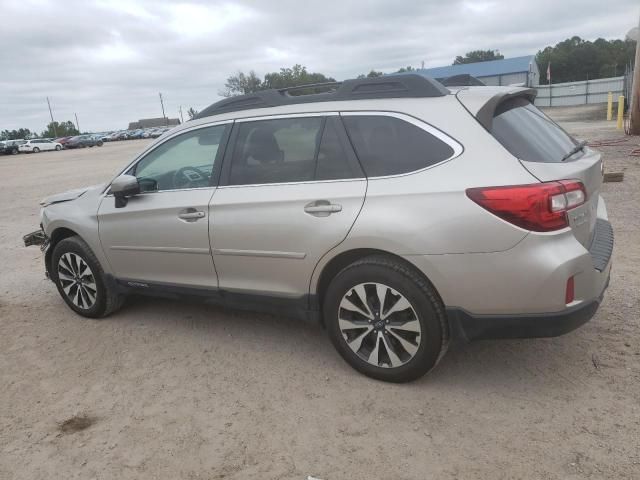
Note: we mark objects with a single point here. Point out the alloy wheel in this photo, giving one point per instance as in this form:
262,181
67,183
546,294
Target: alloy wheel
77,280
379,324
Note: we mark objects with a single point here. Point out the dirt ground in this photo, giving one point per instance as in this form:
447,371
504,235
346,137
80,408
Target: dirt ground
170,390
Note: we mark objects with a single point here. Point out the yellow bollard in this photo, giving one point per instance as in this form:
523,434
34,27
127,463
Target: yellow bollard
610,107
620,112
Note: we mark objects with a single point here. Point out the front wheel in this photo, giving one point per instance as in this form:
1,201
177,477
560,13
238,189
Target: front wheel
100,143
58,148
36,150
81,281
14,151
385,319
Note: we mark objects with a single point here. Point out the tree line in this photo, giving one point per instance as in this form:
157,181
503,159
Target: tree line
53,130
572,59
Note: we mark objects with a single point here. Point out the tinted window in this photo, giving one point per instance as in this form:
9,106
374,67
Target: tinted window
333,162
390,146
274,151
185,161
528,133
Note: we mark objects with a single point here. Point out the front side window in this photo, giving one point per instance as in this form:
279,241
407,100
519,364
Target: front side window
387,145
185,161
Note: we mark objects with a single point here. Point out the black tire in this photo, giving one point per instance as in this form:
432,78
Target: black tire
58,148
99,143
36,150
107,299
14,151
403,278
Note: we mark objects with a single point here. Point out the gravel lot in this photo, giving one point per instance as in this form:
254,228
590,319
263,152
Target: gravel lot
170,390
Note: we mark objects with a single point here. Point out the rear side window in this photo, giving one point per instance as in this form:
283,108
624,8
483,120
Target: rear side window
529,134
391,146
289,150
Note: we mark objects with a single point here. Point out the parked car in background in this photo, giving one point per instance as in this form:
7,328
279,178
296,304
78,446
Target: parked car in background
39,145
136,134
62,140
101,136
82,141
11,147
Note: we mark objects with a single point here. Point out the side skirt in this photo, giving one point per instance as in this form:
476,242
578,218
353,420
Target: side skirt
292,307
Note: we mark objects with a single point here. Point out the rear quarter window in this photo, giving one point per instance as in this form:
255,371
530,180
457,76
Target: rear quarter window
528,134
387,145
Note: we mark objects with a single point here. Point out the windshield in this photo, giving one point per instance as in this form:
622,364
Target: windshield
529,134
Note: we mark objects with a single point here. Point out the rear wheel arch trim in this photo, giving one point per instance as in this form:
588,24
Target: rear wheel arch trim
321,279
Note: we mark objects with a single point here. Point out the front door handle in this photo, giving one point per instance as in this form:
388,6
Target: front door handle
322,208
191,215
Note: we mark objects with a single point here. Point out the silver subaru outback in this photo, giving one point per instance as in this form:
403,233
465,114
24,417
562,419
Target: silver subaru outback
398,212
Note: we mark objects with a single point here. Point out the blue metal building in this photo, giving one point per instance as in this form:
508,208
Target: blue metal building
509,71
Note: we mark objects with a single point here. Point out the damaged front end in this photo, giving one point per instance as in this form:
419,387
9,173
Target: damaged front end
39,238
36,238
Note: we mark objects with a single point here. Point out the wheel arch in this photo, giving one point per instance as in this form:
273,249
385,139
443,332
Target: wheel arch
343,259
56,237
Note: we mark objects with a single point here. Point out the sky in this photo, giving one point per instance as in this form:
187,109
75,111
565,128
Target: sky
107,60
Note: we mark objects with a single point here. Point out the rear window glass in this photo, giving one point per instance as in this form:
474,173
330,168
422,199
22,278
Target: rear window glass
529,134
390,146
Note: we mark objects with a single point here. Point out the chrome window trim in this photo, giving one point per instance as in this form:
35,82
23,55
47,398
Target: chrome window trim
284,116
306,182
457,147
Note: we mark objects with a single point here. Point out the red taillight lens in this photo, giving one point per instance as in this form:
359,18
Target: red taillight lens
540,207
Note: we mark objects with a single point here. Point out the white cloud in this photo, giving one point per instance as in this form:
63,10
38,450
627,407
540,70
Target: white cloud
108,59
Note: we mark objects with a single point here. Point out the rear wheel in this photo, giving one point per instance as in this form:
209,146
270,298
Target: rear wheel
14,151
385,319
99,143
81,281
36,150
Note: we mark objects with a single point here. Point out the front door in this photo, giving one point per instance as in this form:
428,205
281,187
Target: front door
162,235
291,190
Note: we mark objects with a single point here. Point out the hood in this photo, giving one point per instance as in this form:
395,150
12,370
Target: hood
69,195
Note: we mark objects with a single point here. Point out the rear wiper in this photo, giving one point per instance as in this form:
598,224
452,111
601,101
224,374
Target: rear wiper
574,150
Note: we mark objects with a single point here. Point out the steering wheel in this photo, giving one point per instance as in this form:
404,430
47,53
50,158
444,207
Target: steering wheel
188,177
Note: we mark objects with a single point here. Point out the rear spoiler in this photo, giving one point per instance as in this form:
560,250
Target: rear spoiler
486,112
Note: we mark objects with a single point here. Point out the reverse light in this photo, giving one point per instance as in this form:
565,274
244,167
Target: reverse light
539,207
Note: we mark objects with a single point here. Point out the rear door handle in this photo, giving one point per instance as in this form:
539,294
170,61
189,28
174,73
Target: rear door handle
322,208
191,214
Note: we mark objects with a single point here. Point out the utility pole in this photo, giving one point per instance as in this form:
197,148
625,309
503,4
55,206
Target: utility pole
181,117
634,115
77,123
55,132
162,105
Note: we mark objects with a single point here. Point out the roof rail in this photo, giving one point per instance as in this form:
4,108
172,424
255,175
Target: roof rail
462,80
388,86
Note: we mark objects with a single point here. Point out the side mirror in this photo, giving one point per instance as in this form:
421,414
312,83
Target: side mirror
123,187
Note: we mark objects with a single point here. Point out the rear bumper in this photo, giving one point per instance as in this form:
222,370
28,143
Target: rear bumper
466,326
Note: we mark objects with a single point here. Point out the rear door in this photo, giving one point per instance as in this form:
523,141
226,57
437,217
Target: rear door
290,191
542,145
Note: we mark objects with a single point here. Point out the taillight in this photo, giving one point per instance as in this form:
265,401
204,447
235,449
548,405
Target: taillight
540,207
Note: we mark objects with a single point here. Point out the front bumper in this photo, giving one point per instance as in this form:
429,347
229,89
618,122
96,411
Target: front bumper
36,238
